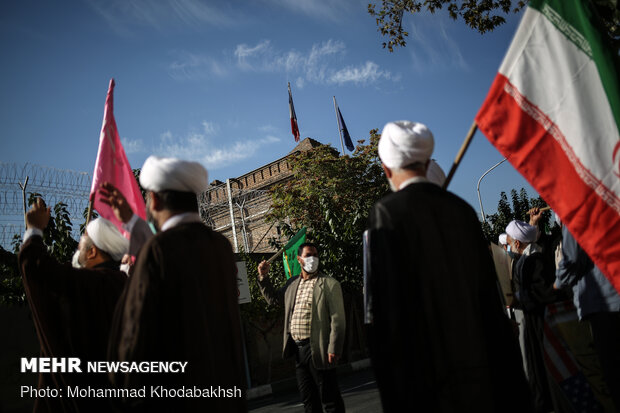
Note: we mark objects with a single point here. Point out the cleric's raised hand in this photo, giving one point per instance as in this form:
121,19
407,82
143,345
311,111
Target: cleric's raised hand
38,216
263,269
110,195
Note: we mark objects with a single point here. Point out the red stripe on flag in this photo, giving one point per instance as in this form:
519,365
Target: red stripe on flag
555,373
538,153
293,116
560,350
295,129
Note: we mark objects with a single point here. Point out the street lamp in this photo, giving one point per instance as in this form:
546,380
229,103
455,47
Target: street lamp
478,187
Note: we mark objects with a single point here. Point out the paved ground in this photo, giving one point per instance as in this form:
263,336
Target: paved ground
359,391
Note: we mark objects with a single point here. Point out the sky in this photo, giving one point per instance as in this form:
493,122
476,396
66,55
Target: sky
207,81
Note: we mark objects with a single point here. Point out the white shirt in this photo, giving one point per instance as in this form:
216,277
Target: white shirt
414,180
31,232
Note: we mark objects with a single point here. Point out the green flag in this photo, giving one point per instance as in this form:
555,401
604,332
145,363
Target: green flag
289,256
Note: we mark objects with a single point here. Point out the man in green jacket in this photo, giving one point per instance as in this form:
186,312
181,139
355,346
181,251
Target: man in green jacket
314,328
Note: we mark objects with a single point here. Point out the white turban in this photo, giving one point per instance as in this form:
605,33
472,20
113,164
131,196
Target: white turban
503,238
403,143
159,174
107,238
435,174
522,231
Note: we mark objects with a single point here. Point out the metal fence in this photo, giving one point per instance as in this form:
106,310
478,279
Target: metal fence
226,208
55,185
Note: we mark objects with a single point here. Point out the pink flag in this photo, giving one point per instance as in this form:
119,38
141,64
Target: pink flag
112,166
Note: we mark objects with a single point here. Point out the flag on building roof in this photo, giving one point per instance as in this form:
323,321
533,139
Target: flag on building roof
291,109
554,111
342,127
112,166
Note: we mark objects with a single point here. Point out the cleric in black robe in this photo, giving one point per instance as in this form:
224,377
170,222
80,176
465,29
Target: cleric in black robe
533,276
72,308
180,303
439,340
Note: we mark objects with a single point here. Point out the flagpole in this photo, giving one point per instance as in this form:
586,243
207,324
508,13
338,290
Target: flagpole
276,255
339,130
459,156
90,209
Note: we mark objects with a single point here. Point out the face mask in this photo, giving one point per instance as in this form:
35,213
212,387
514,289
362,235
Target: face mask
125,268
150,220
152,227
311,264
75,261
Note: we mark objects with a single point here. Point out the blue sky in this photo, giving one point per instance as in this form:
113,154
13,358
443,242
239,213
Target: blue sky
207,80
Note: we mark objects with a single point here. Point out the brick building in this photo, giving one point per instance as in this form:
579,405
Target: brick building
238,207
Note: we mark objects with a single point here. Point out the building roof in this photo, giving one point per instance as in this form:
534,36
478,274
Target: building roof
305,145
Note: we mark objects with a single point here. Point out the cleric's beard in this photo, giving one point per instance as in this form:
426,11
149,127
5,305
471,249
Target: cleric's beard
75,260
151,220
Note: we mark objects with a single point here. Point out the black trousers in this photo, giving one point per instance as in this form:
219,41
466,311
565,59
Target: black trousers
606,334
316,386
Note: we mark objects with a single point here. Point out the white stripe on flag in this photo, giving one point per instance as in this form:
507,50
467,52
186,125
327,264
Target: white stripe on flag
572,96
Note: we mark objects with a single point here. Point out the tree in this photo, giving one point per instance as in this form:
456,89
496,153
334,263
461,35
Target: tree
60,245
257,314
480,15
11,286
332,195
496,223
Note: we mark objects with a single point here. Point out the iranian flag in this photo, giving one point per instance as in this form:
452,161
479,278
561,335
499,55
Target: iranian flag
291,110
554,111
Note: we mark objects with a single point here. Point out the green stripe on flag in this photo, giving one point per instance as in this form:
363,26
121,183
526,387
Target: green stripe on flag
575,20
289,256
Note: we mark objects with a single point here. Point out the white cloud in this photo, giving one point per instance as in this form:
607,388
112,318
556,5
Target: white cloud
202,147
436,49
318,65
321,64
132,145
240,150
333,10
209,128
125,15
268,129
243,51
193,66
270,139
367,73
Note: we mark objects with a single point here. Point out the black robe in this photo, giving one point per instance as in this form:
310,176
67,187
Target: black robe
72,311
534,276
440,341
180,304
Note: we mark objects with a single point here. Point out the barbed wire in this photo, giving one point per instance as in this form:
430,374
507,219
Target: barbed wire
44,176
8,231
55,185
213,208
73,188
